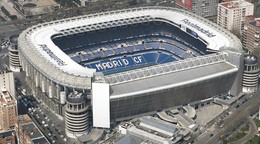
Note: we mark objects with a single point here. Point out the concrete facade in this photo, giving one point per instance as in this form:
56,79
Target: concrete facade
8,111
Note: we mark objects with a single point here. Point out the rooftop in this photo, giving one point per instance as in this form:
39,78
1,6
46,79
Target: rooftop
58,66
235,4
6,98
6,133
38,3
76,97
41,140
171,79
32,131
250,59
253,21
24,119
159,124
256,22
128,139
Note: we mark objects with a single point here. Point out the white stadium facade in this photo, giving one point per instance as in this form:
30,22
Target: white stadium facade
99,69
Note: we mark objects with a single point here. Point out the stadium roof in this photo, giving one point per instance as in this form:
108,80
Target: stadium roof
55,64
158,125
174,79
152,71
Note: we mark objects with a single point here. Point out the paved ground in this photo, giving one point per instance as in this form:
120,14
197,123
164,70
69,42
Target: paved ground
10,8
208,113
43,113
7,29
182,121
234,120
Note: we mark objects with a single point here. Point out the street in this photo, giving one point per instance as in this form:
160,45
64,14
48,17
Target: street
236,118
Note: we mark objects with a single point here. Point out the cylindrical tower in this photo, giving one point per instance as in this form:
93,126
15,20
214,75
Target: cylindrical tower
13,54
251,72
76,115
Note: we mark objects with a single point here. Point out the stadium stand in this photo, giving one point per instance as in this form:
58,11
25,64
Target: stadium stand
157,42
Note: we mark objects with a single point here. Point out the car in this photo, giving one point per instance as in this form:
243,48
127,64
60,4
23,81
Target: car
211,135
65,139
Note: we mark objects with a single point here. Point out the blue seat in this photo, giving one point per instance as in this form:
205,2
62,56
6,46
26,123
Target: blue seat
178,51
153,45
169,59
150,57
162,57
76,59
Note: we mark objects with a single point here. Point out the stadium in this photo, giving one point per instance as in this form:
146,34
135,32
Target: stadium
99,69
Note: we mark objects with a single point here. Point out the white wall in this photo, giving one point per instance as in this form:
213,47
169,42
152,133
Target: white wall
101,105
7,82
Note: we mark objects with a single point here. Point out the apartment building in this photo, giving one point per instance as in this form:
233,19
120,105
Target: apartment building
204,8
251,34
8,111
27,132
231,14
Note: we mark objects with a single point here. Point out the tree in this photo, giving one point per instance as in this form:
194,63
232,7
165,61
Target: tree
257,8
133,2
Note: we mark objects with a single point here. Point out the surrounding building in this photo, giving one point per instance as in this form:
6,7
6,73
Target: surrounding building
85,2
14,61
152,130
251,72
251,34
7,82
27,132
8,111
30,8
231,14
8,137
204,8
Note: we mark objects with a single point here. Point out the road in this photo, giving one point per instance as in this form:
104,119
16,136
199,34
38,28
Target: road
252,131
236,118
55,128
52,127
7,29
